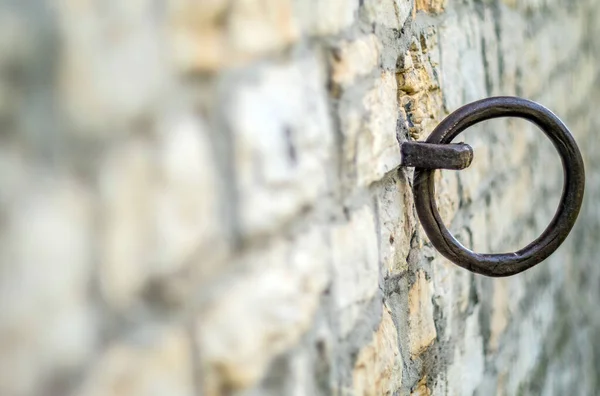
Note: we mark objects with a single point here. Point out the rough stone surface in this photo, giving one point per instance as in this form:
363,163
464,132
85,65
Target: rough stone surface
356,267
156,364
205,198
378,367
283,141
278,298
422,331
430,6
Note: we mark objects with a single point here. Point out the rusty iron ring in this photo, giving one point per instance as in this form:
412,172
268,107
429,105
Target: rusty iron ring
504,264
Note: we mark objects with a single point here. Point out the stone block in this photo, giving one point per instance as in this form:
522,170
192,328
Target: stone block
186,218
355,258
430,6
500,313
210,35
256,27
391,14
354,59
467,368
112,68
160,362
377,148
422,332
378,367
262,314
127,199
397,223
325,18
283,143
462,74
419,94
47,321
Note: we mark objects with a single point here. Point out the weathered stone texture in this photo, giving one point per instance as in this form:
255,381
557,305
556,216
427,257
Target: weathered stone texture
378,367
204,198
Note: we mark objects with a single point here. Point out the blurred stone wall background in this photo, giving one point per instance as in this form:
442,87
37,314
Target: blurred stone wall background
203,198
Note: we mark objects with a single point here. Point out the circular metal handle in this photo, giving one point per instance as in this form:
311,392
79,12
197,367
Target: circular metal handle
504,264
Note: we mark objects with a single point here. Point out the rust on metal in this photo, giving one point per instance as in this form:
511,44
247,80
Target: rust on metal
436,156
504,264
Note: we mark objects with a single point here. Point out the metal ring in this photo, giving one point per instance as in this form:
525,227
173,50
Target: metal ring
504,264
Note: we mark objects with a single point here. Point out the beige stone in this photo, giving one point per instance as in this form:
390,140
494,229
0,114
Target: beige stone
396,224
47,322
355,266
208,35
479,221
422,332
259,26
468,364
499,320
112,71
354,59
159,207
280,151
444,276
451,292
419,94
126,187
204,197
197,35
201,49
430,6
378,367
198,12
462,76
389,13
517,201
421,389
322,18
412,80
448,191
378,151
160,364
186,215
351,123
263,313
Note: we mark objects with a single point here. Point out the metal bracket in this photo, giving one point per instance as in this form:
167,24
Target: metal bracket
455,156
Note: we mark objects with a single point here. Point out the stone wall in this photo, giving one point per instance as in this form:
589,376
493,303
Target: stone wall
204,198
